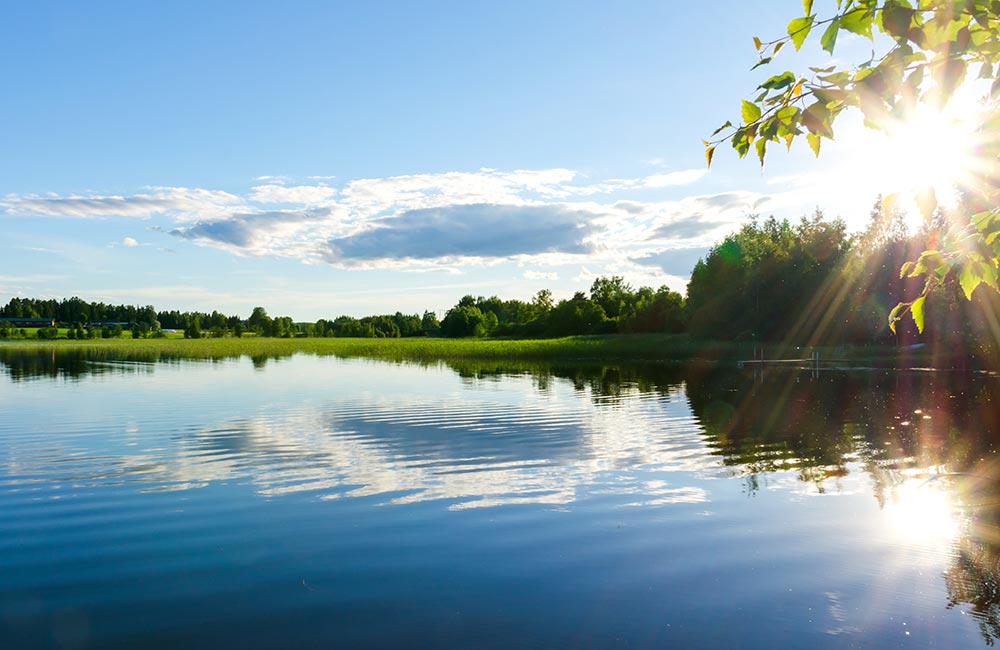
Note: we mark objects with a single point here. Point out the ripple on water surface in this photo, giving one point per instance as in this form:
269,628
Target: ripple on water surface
317,502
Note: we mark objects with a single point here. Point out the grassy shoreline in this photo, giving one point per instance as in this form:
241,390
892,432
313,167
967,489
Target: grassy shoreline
616,348
641,348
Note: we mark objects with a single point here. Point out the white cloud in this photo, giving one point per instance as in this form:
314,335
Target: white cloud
438,222
180,202
540,275
585,276
301,194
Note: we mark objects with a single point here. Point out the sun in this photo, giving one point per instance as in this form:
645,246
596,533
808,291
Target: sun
931,149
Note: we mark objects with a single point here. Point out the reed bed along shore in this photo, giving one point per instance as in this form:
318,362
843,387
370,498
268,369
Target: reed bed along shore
638,348
618,348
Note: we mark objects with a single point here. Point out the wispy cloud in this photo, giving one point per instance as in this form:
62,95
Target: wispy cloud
180,202
301,194
428,222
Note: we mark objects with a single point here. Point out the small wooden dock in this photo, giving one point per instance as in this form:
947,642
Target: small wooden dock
760,362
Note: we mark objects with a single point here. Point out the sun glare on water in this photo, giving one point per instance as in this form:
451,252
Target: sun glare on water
921,514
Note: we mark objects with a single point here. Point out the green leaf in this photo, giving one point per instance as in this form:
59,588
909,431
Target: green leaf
719,130
750,112
927,202
761,150
894,316
814,143
829,95
808,6
799,28
757,43
817,119
990,276
829,38
903,270
779,81
928,262
896,19
949,76
709,152
983,220
917,312
858,21
969,278
788,114
741,143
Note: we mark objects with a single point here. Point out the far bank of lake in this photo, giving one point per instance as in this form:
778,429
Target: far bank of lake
613,348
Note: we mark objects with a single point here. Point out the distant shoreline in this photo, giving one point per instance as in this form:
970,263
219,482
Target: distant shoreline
637,348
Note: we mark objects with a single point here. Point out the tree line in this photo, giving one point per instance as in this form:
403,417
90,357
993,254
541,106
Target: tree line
804,283
611,306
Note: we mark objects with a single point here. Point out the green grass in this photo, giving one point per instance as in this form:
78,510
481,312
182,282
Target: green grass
655,348
619,348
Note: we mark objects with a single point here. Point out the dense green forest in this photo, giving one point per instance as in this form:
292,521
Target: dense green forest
805,283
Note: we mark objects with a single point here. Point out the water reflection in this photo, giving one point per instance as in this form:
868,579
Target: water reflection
69,364
471,451
880,422
927,441
923,445
973,579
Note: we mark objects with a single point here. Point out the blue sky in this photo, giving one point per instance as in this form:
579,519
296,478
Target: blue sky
323,158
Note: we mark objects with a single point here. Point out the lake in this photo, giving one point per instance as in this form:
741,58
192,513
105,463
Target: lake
311,501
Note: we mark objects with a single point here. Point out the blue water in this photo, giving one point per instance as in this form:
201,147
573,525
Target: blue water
321,502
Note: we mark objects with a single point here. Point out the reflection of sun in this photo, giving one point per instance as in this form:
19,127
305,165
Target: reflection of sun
921,513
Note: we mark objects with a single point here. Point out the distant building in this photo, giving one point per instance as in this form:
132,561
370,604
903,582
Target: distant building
27,322
108,323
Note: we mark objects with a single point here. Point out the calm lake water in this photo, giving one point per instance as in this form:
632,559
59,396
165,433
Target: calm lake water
323,502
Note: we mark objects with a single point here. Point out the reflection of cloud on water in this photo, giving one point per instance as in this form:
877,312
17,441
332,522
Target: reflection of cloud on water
474,453
472,449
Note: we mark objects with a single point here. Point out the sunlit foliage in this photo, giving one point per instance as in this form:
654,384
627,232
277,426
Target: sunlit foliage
929,49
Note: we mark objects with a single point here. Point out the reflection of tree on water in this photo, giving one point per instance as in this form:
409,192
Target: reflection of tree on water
892,426
72,363
973,580
604,382
884,421
888,426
